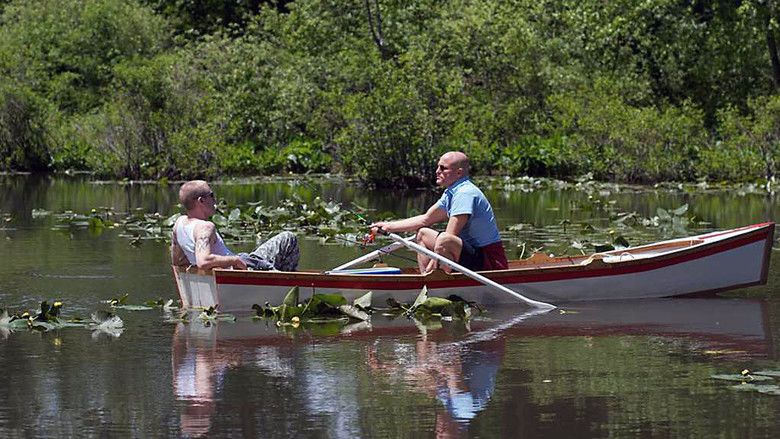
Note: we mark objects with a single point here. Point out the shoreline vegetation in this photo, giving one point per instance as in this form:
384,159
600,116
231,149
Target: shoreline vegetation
375,90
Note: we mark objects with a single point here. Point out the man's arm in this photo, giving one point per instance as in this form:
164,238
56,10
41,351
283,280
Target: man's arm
205,236
434,215
457,223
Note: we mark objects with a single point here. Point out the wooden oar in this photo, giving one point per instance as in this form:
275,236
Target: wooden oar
476,276
371,256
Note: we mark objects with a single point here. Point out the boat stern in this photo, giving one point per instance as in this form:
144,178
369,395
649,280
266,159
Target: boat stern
197,288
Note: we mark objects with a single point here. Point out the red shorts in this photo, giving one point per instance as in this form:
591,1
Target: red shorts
489,257
493,257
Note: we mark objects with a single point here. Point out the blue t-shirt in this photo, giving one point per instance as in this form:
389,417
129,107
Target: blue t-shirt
463,197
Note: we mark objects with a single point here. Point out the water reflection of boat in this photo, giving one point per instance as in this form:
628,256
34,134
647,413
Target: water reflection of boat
454,364
696,265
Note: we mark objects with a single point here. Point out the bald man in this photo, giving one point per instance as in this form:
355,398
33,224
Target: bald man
197,242
471,237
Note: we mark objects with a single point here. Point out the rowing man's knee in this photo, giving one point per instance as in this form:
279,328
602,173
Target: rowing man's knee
447,243
426,237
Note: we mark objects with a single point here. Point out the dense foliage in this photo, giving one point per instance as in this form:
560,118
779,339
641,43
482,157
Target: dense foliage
625,90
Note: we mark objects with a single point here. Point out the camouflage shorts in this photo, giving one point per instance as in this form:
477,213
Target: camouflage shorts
278,253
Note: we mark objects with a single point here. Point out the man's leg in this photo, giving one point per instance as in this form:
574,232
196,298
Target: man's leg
449,246
427,238
281,252
443,243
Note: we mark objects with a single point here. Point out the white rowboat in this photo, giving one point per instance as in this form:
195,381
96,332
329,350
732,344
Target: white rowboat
697,265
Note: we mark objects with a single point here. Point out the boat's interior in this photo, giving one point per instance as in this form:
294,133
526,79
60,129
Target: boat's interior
541,260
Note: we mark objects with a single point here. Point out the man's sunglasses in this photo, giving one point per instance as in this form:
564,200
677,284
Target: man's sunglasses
210,194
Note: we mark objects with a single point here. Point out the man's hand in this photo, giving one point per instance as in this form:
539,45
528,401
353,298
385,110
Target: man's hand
380,226
239,264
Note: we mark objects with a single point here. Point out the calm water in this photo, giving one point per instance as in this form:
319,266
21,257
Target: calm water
639,369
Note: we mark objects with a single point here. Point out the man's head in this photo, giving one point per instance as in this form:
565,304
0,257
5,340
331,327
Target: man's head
452,166
197,198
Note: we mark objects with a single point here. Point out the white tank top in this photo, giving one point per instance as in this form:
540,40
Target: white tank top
185,237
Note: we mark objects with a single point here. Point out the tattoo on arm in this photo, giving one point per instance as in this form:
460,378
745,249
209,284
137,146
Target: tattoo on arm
204,235
202,245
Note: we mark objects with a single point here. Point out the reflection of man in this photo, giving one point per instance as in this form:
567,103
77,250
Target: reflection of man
197,242
196,374
471,237
463,381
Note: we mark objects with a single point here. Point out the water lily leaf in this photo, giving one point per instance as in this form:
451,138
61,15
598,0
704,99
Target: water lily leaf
680,211
740,377
95,223
622,218
363,302
42,326
394,304
663,215
354,312
235,214
621,242
171,220
600,248
19,324
291,299
769,389
219,220
118,300
40,213
516,228
287,312
421,298
333,300
435,304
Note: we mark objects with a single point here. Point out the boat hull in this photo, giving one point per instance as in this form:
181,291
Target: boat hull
697,265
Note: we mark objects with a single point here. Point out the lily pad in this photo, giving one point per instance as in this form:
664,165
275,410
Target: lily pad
768,389
742,378
354,312
363,302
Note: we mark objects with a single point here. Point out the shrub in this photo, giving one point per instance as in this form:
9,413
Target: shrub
749,143
538,156
624,142
24,137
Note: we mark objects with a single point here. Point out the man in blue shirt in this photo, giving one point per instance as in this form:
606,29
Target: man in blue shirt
471,237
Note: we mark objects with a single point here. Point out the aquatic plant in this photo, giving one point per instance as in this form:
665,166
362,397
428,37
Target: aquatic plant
427,308
249,222
121,303
319,308
330,308
748,381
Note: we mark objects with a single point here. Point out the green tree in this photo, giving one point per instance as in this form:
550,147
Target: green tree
66,50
